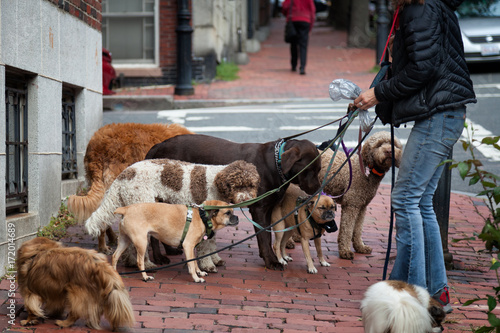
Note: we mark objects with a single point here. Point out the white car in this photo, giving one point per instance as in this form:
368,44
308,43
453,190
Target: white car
480,25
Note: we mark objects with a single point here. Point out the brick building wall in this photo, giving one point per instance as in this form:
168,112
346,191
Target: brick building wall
89,11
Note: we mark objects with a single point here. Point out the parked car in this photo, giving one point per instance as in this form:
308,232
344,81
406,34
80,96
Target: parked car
480,25
108,73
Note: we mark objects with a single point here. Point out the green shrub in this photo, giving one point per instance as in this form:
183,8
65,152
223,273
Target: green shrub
473,170
56,229
227,71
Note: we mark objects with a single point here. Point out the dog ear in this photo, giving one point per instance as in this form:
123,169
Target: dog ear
289,158
366,153
212,213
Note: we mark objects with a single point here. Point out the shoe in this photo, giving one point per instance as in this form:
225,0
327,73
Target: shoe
443,298
302,71
294,69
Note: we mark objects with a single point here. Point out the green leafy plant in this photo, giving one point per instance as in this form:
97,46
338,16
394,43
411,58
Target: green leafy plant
227,71
56,229
473,170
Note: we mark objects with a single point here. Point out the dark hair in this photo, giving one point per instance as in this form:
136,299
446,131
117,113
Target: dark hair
402,3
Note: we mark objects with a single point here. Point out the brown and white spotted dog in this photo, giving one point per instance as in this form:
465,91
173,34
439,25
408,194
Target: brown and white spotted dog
174,182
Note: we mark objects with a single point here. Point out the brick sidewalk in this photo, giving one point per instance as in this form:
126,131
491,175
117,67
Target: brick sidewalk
245,297
268,74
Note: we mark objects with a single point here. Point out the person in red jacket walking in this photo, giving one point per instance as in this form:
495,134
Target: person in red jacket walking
302,14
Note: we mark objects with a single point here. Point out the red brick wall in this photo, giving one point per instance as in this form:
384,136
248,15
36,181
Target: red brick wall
89,11
168,36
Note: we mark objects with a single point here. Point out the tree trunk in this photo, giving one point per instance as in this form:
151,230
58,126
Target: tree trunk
338,17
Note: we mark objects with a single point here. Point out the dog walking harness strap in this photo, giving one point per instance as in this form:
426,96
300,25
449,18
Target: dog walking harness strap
207,222
189,217
314,225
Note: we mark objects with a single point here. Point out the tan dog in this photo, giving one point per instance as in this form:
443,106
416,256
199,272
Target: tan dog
167,223
322,211
53,278
111,149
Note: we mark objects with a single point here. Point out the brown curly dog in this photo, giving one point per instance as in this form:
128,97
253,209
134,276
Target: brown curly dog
376,153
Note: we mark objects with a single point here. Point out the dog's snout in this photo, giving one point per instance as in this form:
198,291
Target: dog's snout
234,220
328,215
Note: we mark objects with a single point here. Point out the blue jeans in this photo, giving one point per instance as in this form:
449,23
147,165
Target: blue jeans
419,258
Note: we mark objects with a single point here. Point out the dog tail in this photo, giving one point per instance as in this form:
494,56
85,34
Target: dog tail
119,310
83,206
117,306
103,216
410,316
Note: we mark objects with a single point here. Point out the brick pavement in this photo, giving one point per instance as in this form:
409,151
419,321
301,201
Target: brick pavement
244,296
268,76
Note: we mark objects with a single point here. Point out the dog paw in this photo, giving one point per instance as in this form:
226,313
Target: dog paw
288,258
283,262
202,273
211,269
290,244
106,250
29,322
148,278
324,264
364,249
220,263
312,270
346,255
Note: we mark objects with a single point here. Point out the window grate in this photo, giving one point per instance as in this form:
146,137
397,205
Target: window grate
16,147
69,163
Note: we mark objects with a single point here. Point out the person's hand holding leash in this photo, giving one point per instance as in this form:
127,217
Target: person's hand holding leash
366,99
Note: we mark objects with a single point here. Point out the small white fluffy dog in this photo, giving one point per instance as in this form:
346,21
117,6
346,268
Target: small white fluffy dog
398,307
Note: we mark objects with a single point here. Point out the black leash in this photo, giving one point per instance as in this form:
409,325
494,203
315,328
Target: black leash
391,223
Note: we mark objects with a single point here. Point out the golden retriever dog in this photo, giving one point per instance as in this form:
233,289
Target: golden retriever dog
377,157
175,225
110,150
311,221
175,182
53,278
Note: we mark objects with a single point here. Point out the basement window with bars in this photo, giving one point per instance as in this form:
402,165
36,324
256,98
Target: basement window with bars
16,143
69,162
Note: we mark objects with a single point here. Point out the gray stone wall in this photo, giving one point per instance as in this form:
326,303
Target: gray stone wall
56,49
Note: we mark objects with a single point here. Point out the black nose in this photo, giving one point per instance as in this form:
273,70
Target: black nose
233,220
328,215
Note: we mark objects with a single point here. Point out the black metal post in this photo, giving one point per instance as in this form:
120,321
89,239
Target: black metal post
441,203
184,32
250,19
383,21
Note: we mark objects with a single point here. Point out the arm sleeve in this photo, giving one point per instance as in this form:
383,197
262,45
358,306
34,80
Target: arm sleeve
421,31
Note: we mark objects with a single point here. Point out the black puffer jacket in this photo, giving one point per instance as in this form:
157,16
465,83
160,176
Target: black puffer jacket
429,70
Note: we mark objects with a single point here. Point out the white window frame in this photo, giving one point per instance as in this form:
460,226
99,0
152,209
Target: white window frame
156,62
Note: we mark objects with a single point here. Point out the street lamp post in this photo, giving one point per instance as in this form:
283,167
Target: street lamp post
184,31
382,27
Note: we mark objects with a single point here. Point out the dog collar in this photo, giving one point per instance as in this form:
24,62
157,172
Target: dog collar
376,172
279,148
